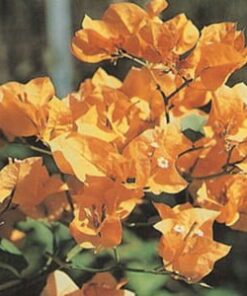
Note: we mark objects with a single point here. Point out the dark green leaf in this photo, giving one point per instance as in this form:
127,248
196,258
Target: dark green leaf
11,256
39,241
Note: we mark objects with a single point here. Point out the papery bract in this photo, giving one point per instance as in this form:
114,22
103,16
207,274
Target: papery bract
187,246
29,184
102,205
23,107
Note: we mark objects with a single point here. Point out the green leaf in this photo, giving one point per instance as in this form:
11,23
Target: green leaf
62,238
73,252
38,242
192,126
7,246
222,292
14,150
193,122
145,284
12,257
134,249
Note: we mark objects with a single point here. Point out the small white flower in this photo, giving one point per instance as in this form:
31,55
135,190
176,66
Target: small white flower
199,232
162,162
154,145
179,228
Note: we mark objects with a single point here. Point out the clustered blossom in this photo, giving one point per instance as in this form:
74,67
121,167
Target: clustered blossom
116,140
60,284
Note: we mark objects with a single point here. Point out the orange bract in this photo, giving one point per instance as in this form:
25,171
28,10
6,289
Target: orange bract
102,204
16,179
125,26
103,284
152,158
60,284
226,195
23,107
220,51
187,246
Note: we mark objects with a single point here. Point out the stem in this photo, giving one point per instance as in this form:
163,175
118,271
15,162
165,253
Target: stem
66,265
238,161
73,252
116,256
41,150
165,98
150,271
183,85
9,284
11,269
123,54
227,168
91,269
68,196
128,56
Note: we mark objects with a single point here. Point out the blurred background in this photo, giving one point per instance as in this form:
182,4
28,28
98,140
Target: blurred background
35,35
35,40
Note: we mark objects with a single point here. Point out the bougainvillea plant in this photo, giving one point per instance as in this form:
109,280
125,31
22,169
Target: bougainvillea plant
166,149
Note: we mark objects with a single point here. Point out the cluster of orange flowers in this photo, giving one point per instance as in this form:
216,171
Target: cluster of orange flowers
59,284
113,141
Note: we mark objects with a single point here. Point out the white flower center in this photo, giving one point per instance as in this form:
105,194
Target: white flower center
154,145
162,162
199,232
179,228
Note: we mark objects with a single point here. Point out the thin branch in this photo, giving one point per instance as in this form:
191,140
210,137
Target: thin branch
227,168
123,54
68,196
41,150
166,100
116,256
182,86
150,271
11,269
66,265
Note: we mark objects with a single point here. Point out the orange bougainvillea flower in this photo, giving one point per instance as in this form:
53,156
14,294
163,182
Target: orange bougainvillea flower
225,136
227,119
90,94
103,284
109,110
210,160
155,7
226,194
83,155
192,96
60,284
220,51
142,92
58,121
102,205
187,246
127,27
23,107
152,157
98,40
29,184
